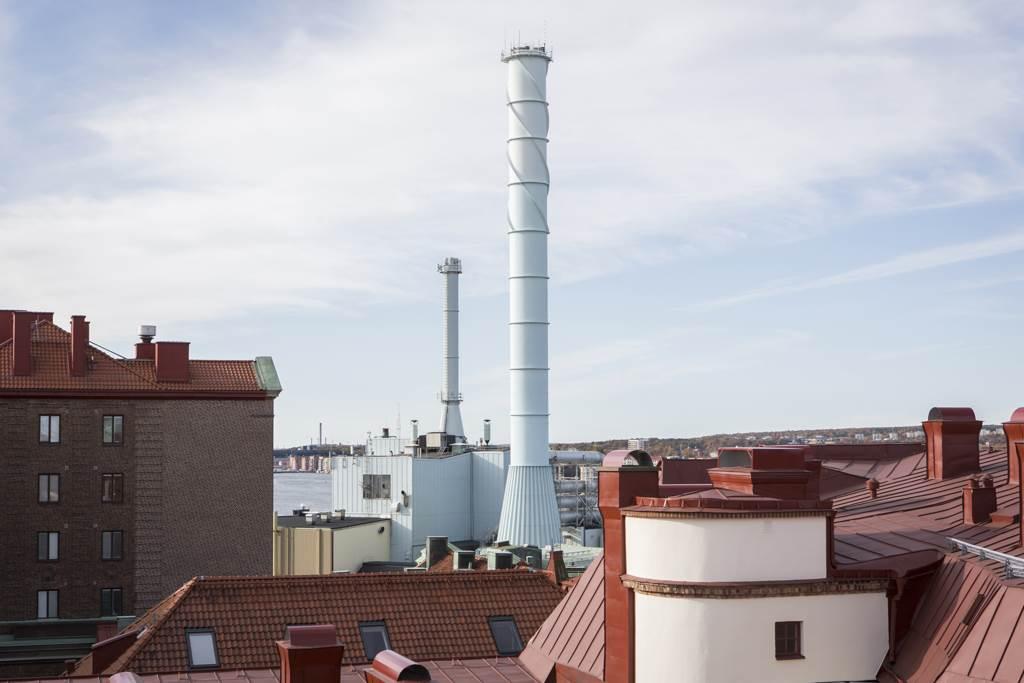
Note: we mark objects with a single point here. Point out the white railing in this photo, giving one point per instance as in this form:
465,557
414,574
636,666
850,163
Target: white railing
1013,566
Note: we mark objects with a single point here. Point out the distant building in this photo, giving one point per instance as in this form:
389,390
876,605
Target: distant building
328,543
122,477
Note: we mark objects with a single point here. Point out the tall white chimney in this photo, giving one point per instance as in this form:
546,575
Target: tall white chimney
451,416
529,511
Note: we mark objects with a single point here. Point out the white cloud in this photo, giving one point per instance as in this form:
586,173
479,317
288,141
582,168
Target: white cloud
925,259
330,167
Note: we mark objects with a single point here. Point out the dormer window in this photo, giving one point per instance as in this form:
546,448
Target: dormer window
506,636
375,638
202,648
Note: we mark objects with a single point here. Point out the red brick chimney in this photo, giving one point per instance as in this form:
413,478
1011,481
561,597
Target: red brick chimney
979,500
21,322
391,667
79,345
952,436
171,361
312,654
623,476
1014,431
6,325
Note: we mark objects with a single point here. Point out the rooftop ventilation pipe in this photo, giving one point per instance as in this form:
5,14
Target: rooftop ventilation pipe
145,349
391,667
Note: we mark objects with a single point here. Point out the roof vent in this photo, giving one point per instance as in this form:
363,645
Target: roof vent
501,559
979,500
464,559
391,667
437,550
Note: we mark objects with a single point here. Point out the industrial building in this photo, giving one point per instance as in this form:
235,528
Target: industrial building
110,498
457,494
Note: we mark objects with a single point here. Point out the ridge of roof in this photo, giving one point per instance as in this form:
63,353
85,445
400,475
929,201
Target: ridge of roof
162,611
114,374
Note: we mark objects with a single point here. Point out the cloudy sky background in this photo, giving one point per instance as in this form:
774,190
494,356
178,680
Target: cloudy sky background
783,215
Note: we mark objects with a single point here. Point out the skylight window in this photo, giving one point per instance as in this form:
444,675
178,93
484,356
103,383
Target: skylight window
375,638
202,648
506,636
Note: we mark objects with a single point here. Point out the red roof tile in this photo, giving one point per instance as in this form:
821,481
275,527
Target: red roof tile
429,616
109,374
498,670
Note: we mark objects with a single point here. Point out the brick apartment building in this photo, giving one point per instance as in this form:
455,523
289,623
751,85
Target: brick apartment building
122,478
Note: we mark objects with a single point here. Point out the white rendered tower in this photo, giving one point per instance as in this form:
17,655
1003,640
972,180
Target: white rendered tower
451,416
529,511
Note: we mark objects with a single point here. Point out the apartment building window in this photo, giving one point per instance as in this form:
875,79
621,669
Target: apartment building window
49,488
48,546
113,488
112,545
113,429
47,604
202,648
111,602
506,636
375,638
49,429
787,640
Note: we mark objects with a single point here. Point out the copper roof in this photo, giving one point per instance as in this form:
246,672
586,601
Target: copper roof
914,513
110,374
429,616
574,633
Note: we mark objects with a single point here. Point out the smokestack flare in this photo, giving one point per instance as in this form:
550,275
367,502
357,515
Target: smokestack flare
529,512
451,415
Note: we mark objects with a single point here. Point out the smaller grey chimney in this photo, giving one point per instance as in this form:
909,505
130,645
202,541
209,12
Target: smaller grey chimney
437,549
501,559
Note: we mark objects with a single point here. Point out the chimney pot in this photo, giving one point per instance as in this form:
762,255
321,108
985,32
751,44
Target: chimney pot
1014,432
21,322
79,345
952,442
979,501
172,361
311,654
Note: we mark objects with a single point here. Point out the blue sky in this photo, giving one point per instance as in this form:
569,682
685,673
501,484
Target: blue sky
771,215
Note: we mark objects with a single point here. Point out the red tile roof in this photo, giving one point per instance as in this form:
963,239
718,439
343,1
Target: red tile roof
498,670
109,374
429,616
